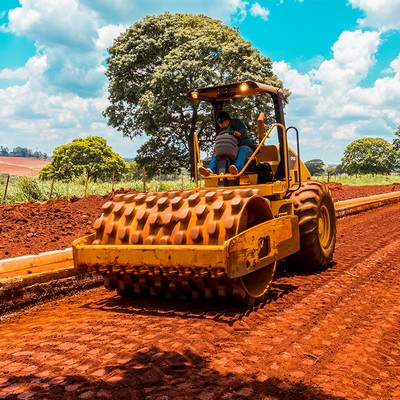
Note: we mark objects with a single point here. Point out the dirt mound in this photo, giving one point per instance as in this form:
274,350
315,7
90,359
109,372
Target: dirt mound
345,192
34,228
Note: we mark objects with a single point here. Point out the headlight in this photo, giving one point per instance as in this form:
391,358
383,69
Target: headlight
243,87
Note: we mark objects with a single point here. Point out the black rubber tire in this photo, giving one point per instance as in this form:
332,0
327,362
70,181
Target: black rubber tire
314,207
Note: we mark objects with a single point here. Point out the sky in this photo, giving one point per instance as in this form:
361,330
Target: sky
339,58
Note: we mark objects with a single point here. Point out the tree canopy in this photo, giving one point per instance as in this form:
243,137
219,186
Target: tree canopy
90,156
315,167
369,156
153,65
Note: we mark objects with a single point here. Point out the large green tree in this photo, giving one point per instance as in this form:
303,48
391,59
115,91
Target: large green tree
369,156
90,156
152,66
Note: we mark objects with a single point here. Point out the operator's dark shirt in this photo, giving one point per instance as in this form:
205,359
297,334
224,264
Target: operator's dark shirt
238,125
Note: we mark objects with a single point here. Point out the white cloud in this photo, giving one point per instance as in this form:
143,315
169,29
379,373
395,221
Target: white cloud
258,11
35,66
328,102
353,56
395,65
345,131
237,8
379,14
63,23
107,34
62,90
53,120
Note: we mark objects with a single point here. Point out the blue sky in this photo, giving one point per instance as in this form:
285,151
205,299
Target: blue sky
339,58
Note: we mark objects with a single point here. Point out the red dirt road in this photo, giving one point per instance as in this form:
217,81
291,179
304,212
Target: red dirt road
325,336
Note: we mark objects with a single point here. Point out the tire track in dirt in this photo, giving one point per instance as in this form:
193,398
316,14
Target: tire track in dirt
364,301
328,336
339,297
330,344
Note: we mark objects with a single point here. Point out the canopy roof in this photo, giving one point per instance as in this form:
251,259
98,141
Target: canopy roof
222,93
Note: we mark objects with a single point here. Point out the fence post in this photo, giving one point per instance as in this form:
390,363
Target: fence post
86,183
5,189
112,180
144,179
52,186
182,177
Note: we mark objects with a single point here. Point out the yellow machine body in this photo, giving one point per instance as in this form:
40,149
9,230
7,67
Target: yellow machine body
246,252
223,239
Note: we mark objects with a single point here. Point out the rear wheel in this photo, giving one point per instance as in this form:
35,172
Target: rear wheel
317,223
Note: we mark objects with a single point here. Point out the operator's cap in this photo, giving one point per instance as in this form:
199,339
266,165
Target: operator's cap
222,116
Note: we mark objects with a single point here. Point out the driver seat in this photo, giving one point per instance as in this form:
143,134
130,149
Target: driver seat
267,153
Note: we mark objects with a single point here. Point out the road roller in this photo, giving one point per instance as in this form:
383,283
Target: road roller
224,238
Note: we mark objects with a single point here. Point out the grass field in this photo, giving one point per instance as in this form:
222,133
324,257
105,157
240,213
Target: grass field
20,189
361,179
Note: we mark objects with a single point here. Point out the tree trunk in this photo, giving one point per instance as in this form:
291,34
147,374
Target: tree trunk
191,154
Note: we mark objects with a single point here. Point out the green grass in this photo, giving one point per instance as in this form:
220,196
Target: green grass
363,180
24,189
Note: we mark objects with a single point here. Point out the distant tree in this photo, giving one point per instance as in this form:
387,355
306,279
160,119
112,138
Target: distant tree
152,66
39,155
315,167
396,142
339,169
396,146
21,152
330,170
90,156
4,151
369,156
134,171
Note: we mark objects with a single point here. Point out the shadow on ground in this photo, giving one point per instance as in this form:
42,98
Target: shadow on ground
216,310
154,374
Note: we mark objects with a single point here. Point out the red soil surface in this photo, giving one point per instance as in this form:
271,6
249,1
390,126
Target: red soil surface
21,166
33,228
331,335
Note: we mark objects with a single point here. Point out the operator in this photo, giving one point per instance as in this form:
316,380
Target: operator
238,129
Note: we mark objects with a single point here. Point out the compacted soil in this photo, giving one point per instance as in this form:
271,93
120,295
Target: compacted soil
328,335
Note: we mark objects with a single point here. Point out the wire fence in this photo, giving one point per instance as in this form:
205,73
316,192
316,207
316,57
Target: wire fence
14,189
20,189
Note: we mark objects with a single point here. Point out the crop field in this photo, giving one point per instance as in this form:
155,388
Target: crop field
21,166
